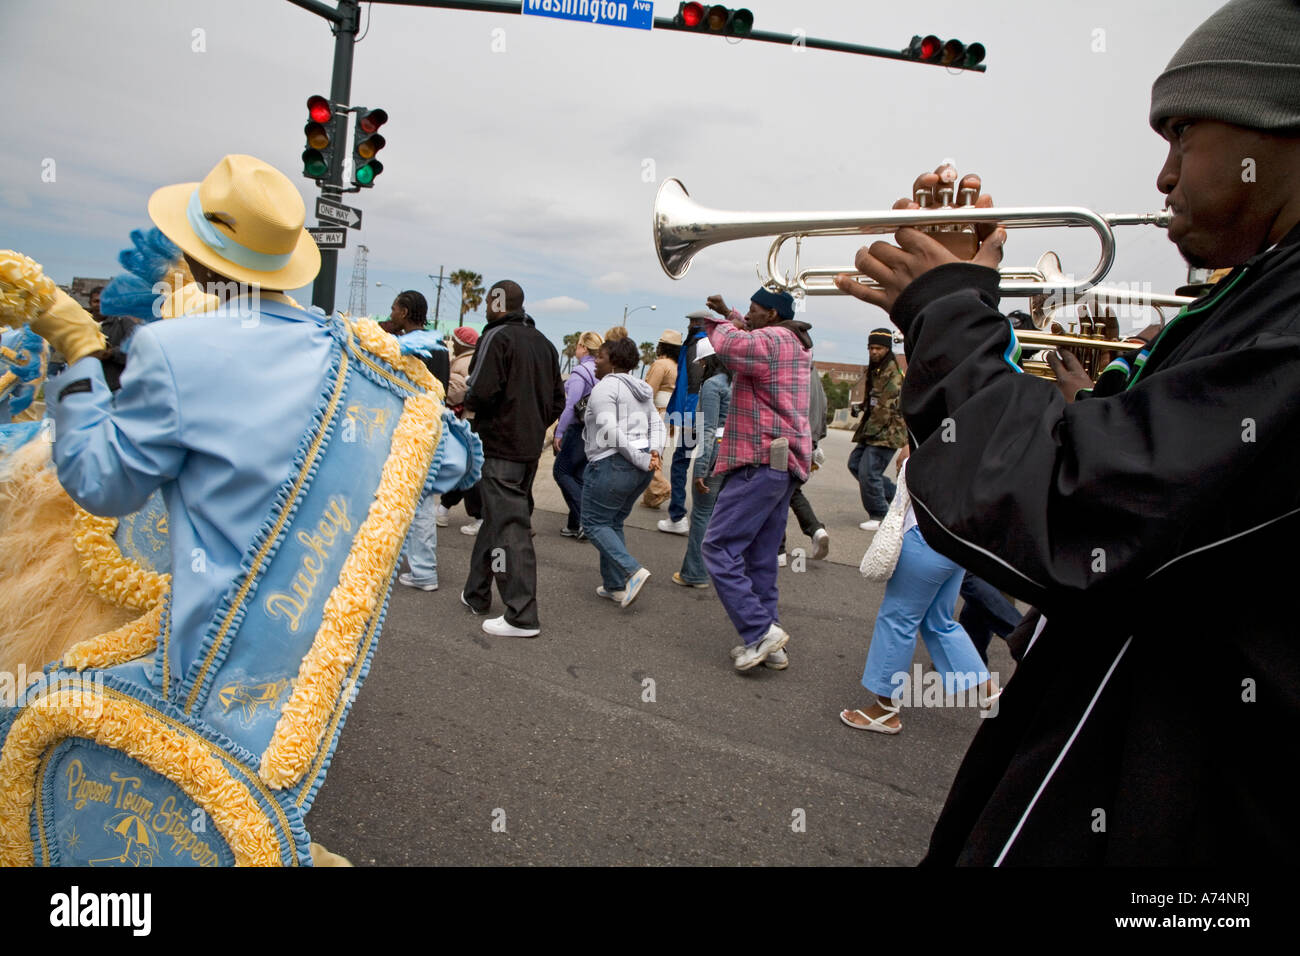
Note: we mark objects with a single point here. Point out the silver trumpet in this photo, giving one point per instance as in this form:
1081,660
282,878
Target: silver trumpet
682,228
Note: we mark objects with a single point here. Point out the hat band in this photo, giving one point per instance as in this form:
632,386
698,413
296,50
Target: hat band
228,248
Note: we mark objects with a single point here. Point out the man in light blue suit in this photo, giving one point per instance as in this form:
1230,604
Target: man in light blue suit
212,408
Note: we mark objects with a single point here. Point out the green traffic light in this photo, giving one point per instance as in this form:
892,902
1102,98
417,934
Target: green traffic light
313,164
366,175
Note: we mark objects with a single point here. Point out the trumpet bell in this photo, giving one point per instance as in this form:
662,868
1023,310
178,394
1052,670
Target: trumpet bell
673,219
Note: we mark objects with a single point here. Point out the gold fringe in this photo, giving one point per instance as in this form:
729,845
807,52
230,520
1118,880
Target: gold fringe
128,642
25,290
113,576
374,339
134,729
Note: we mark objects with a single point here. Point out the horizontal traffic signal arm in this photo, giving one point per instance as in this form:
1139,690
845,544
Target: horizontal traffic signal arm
667,24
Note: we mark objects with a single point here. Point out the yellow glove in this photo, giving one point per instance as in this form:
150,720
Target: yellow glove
69,328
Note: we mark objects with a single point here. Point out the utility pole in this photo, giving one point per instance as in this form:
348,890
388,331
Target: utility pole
437,304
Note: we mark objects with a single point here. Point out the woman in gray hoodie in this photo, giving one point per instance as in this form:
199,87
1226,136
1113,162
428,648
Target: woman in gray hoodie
624,439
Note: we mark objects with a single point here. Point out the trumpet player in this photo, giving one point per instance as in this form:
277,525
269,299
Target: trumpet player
1151,526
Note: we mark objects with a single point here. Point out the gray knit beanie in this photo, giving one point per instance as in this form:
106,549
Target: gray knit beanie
1241,66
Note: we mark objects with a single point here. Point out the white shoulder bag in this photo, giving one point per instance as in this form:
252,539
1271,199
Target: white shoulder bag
882,554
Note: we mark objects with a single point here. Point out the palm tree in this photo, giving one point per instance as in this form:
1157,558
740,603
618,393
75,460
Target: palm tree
471,290
570,349
648,350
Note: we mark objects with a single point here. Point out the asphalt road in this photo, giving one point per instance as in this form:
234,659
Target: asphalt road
625,736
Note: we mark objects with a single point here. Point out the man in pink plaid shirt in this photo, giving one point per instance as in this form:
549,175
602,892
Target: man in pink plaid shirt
766,447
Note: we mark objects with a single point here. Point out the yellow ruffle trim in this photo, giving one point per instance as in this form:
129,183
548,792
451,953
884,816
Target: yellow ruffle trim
374,339
305,717
25,290
116,578
130,727
126,643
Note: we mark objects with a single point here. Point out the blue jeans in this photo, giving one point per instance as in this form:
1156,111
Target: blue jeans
921,594
678,478
693,570
985,613
868,464
570,464
610,488
422,543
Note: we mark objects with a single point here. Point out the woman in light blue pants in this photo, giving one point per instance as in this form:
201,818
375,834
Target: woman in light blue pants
921,594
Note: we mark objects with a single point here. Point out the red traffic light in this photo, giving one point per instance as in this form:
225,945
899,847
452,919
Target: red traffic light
319,109
930,49
371,120
690,14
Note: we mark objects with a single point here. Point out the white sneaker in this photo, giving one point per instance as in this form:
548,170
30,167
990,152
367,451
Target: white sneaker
871,525
675,527
441,516
821,544
502,628
612,595
756,654
634,585
471,529
467,604
406,578
780,560
777,660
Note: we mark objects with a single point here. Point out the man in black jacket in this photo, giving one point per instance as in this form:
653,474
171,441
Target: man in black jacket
515,393
1153,708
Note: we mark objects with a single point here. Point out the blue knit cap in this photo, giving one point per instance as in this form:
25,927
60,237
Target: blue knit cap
783,302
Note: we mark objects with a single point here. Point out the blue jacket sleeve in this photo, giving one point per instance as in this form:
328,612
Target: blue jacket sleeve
113,450
709,412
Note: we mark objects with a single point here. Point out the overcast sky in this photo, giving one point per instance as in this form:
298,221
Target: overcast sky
529,149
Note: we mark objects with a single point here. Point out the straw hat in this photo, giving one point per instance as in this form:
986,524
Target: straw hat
244,222
671,337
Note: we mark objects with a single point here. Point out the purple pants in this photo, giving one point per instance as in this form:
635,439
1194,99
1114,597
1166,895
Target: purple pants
741,545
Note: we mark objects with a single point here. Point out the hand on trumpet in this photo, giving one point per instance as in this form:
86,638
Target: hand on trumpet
1070,373
896,267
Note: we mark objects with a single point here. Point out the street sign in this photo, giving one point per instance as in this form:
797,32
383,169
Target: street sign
329,237
637,14
333,212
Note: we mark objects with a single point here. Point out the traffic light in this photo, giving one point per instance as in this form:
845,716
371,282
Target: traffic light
318,157
366,142
707,18
930,49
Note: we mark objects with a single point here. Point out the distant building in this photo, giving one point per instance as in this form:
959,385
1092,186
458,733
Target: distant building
82,287
840,371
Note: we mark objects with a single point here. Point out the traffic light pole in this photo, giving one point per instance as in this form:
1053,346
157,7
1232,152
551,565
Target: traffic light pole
344,22
667,23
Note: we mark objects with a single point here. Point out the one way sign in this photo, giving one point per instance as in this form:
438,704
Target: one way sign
344,215
327,237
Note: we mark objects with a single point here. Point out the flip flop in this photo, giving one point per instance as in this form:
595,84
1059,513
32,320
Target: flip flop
872,723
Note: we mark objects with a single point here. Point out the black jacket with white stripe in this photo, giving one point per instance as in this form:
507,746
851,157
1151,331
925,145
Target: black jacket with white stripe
1157,530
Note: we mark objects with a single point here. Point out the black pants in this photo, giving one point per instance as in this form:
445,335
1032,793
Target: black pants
803,513
503,547
473,501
